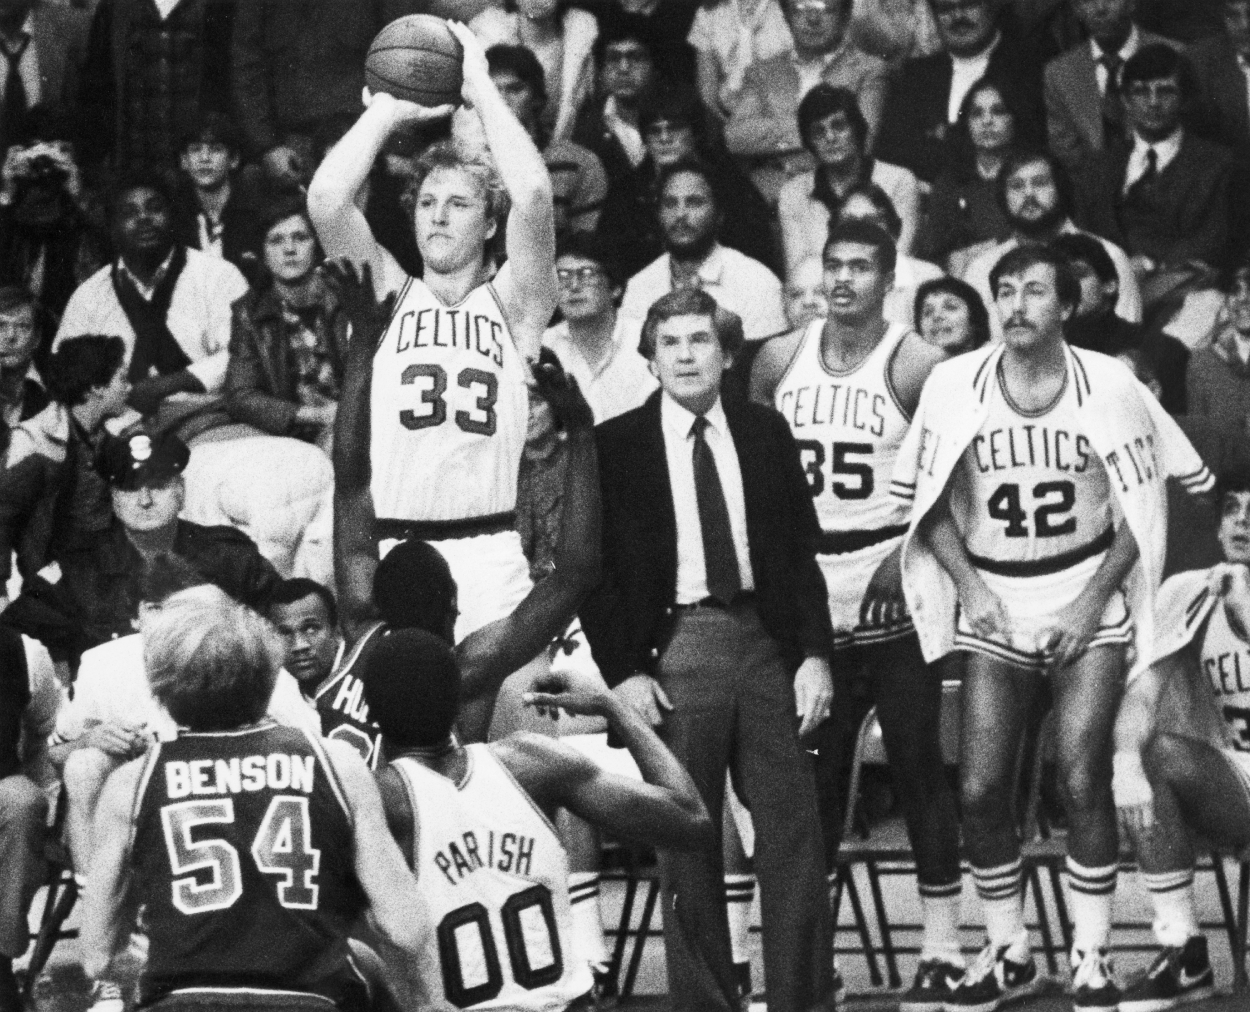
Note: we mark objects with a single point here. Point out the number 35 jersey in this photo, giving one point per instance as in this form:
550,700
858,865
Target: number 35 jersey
1030,488
449,409
1226,662
243,856
495,876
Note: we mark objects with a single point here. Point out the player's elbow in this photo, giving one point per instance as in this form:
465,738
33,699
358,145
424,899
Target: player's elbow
533,195
328,200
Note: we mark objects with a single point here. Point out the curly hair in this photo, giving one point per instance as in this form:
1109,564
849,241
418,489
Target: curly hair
450,155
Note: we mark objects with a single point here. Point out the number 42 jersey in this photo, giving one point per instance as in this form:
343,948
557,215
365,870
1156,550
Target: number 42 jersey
449,407
495,876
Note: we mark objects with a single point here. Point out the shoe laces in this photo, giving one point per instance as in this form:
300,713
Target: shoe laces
983,965
1093,971
106,990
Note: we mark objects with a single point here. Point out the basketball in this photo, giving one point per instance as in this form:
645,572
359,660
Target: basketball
416,58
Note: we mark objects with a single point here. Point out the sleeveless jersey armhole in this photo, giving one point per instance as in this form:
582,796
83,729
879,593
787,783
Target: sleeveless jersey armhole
804,337
141,789
523,792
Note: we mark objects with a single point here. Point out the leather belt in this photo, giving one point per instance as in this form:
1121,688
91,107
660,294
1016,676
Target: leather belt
716,604
443,530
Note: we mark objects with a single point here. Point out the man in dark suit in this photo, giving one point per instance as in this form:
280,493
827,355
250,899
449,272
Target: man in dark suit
42,49
1083,107
1165,196
979,40
1220,65
712,598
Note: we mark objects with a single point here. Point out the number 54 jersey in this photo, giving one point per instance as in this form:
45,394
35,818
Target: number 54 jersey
449,409
495,876
243,856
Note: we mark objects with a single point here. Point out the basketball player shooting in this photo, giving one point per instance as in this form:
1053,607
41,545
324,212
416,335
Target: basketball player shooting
448,395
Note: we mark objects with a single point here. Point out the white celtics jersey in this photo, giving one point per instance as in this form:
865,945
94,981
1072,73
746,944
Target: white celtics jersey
1226,662
449,409
848,427
495,878
1030,487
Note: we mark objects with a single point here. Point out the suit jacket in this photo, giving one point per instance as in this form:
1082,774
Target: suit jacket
59,35
915,132
630,617
1186,217
1074,103
1223,107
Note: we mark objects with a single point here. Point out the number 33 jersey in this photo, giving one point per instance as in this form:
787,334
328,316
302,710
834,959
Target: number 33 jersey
495,876
243,856
449,409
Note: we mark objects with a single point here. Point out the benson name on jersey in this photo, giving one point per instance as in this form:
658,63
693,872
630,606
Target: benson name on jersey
278,771
438,327
512,853
840,404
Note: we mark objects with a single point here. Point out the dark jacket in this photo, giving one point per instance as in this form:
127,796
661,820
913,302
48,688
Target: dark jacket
629,618
261,379
915,132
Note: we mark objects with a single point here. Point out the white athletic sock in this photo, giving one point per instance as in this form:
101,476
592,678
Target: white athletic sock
739,895
1003,900
587,922
1176,915
1090,891
940,911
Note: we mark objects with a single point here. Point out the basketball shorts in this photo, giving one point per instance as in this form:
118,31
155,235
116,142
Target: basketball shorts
1033,604
847,575
491,572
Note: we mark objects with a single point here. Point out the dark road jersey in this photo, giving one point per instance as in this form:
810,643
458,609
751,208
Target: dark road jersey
244,859
341,705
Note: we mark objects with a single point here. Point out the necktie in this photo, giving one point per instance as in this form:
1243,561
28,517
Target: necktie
719,558
1112,108
13,108
1147,179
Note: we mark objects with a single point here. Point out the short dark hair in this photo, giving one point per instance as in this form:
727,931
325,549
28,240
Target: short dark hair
521,62
1081,247
881,201
279,204
412,686
621,26
978,315
1016,261
80,364
1155,61
413,588
675,104
726,325
592,246
694,167
16,297
823,101
140,180
212,127
866,234
1016,160
299,587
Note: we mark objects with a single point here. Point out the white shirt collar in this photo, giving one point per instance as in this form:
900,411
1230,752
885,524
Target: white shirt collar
982,58
677,421
145,289
1131,45
711,271
1165,150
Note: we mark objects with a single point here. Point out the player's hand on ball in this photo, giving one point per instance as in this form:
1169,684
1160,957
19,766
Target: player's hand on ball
884,603
561,392
983,610
399,111
476,69
813,693
643,694
368,314
1134,797
574,692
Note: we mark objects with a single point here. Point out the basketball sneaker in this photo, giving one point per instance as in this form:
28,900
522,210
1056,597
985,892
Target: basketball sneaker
106,996
991,980
1093,983
935,980
1177,975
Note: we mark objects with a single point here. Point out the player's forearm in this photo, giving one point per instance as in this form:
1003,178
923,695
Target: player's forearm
577,553
355,560
345,168
1135,721
939,532
517,158
1114,568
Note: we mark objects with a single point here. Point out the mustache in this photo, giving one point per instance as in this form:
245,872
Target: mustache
1019,322
841,290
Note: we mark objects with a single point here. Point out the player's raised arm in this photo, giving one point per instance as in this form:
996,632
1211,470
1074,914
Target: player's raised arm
527,282
332,194
665,810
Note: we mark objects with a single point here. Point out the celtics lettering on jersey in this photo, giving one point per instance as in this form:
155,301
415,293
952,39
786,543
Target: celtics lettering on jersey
848,427
1226,661
449,408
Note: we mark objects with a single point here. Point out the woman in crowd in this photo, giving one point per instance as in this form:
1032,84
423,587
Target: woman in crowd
288,340
728,36
963,211
834,130
951,316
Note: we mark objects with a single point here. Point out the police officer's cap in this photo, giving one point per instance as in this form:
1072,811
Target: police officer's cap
130,462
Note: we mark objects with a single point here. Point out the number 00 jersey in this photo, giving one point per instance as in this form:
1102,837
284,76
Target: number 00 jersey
243,855
848,427
449,408
1226,662
495,877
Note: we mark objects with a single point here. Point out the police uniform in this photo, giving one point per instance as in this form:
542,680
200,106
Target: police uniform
450,410
340,701
848,426
495,878
1037,516
243,859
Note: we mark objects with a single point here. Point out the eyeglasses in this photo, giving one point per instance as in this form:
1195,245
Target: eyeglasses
582,275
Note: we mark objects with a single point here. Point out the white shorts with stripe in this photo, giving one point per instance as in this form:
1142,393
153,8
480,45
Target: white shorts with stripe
1033,604
847,575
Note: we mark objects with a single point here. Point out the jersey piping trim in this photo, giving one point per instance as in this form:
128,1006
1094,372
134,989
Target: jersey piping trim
525,794
261,725
136,803
399,301
820,358
1023,413
346,665
331,776
251,990
1119,634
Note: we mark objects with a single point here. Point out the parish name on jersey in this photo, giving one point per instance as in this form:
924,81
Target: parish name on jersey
1030,446
277,771
460,329
844,405
472,850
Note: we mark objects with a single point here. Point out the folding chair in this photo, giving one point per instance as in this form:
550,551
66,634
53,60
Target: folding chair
58,905
632,874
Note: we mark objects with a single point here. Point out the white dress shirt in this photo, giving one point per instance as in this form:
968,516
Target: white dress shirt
737,283
28,66
619,383
676,422
964,74
1165,150
1130,47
